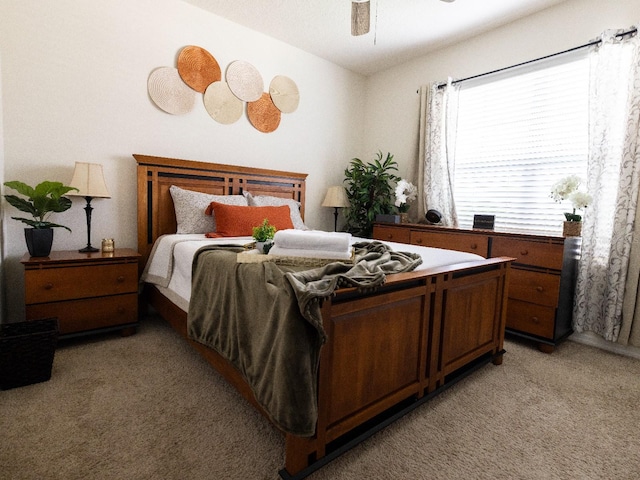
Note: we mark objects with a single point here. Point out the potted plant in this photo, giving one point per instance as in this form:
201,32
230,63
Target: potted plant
263,235
405,193
370,192
46,198
568,189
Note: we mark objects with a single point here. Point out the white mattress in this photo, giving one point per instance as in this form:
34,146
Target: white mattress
169,266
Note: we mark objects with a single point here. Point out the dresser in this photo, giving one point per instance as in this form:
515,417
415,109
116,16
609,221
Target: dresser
88,292
542,279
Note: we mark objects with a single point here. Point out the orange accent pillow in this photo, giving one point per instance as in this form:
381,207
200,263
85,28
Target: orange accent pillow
238,221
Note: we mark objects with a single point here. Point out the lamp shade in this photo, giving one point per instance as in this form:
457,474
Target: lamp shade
336,197
89,180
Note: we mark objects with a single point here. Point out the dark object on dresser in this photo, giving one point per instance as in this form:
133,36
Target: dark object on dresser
26,352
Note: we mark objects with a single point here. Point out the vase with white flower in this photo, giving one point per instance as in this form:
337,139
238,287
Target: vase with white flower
569,189
405,193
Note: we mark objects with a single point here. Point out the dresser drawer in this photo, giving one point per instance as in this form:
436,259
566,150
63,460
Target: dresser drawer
539,254
531,318
72,282
534,287
391,234
463,242
80,315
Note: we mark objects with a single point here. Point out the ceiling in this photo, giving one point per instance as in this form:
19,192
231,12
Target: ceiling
400,29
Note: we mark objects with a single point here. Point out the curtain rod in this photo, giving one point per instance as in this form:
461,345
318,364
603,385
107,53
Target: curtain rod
594,42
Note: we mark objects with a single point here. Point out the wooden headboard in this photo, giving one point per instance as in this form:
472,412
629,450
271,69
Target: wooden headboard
156,215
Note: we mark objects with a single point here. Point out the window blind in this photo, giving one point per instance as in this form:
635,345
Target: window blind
518,133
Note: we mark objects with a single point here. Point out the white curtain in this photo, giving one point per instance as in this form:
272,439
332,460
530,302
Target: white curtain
613,180
438,117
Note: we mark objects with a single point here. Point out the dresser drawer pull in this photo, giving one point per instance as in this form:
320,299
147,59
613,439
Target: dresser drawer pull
121,310
48,286
120,279
524,252
474,246
539,289
535,320
389,236
419,241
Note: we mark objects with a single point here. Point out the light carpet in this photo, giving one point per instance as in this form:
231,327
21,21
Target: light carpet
149,407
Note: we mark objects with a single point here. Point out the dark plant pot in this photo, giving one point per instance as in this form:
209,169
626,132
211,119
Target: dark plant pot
39,241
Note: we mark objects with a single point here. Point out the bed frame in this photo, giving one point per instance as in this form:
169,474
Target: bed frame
387,352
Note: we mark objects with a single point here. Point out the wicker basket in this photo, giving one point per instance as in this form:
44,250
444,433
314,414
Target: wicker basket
26,352
572,229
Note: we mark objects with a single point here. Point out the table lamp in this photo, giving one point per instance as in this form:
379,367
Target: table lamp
336,197
89,180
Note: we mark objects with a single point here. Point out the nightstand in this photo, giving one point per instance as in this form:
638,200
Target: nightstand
88,292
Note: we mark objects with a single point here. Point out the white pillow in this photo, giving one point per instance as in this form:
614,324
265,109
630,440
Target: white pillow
268,201
190,207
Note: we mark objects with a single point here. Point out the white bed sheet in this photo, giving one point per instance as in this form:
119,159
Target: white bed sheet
177,286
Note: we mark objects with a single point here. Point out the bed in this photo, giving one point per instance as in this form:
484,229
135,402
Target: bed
386,351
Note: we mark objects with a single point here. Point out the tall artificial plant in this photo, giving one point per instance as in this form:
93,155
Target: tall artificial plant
370,191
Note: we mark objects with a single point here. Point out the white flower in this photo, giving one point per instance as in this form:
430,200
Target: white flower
580,200
565,187
405,192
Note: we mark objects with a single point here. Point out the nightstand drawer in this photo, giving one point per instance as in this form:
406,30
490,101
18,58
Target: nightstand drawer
65,283
531,318
540,254
80,315
534,287
472,243
391,234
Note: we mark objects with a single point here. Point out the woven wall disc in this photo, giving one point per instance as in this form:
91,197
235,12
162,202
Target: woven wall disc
245,81
223,106
284,93
263,114
198,68
169,92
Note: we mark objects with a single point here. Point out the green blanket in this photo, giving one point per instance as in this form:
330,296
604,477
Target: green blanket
265,319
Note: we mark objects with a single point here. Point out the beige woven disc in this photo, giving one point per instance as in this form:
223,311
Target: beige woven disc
223,106
245,81
263,114
198,68
284,93
169,92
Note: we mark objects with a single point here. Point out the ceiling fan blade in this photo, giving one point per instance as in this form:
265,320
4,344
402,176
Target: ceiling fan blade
360,17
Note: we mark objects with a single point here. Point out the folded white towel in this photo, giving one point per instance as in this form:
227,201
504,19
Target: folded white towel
313,240
308,253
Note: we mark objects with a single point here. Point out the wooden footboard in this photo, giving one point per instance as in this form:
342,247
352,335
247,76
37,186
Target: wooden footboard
409,339
399,344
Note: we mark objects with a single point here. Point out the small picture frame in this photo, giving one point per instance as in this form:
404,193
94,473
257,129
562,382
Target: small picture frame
484,222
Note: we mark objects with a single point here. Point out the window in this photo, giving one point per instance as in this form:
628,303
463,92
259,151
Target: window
519,132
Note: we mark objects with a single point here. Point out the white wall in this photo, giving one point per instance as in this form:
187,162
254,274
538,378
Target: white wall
391,115
74,83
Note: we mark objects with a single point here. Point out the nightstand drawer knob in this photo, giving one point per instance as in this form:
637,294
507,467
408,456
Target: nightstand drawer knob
539,289
48,286
474,246
121,310
524,252
120,279
535,320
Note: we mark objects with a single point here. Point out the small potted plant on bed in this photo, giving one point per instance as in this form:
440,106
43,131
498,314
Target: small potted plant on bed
46,198
263,235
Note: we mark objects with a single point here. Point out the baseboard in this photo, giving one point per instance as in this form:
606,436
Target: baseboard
593,340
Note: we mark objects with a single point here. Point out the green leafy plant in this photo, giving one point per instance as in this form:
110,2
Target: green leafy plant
264,232
46,198
370,191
